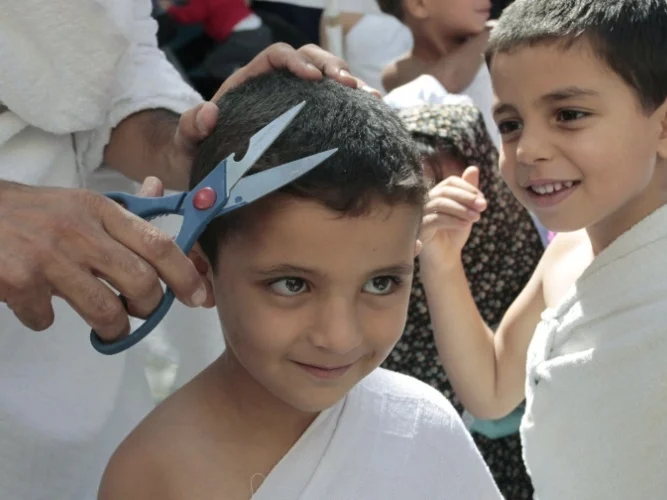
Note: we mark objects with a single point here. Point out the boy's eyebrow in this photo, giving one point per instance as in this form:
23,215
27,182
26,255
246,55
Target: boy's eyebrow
567,93
557,95
399,269
289,269
285,270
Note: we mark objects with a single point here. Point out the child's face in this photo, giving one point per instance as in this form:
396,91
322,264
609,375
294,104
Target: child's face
578,150
311,302
459,18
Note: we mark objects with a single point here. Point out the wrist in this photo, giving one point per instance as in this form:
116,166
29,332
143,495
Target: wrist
439,260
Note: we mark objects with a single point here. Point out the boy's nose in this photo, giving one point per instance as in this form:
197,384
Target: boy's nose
533,146
338,328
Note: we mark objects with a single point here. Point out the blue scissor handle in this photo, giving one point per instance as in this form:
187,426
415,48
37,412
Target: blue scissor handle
147,208
195,221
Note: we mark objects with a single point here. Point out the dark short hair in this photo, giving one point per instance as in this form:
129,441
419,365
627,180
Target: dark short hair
376,159
392,7
629,36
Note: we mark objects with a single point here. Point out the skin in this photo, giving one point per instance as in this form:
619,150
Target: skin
449,38
601,138
304,287
58,242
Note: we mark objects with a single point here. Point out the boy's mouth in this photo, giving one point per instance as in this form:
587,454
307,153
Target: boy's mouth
545,189
545,195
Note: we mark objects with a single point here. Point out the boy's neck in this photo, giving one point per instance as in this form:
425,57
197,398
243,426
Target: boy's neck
430,50
253,410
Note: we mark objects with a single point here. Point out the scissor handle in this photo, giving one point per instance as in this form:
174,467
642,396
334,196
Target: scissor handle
147,208
147,327
195,220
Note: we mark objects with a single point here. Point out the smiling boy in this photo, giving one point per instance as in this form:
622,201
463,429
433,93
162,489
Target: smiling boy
312,286
580,101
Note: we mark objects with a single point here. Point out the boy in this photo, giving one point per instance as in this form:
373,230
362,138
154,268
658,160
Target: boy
580,89
312,286
449,39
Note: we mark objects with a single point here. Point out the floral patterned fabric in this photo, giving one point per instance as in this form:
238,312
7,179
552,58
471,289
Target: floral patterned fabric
503,250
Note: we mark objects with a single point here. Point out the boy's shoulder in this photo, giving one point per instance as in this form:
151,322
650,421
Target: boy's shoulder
398,399
156,455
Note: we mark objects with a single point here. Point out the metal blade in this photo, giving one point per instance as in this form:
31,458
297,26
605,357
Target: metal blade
257,185
258,145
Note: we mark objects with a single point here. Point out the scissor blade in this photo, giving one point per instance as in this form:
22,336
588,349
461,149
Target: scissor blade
257,185
258,145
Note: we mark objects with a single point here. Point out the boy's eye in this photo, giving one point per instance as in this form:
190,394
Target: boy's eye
288,287
382,285
568,115
509,126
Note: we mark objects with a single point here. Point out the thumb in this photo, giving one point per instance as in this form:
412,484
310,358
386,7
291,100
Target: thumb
151,188
471,176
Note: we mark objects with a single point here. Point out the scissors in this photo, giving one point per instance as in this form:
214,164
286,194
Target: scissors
220,192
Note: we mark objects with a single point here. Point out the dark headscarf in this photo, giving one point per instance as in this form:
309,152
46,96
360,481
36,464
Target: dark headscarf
499,258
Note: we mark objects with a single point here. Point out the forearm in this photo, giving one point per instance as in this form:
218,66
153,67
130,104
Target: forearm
143,145
465,343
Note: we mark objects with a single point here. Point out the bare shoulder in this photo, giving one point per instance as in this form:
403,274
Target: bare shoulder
401,71
152,461
136,469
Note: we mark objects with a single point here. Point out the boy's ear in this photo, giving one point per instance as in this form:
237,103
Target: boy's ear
418,248
661,115
416,8
205,270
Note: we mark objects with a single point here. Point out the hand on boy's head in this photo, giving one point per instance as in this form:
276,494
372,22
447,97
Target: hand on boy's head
310,62
453,206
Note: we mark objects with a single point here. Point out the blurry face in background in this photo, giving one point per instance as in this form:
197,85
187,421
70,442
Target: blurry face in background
458,18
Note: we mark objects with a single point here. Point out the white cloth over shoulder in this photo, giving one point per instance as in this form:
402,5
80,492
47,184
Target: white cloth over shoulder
390,437
426,89
372,43
69,72
595,424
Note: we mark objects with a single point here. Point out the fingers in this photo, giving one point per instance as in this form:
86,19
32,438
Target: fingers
152,187
131,275
34,310
195,125
276,56
471,176
94,301
454,202
310,62
160,252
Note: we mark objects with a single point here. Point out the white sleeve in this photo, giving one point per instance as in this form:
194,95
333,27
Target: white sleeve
425,89
144,79
453,457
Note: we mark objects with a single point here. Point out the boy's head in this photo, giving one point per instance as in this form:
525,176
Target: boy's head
312,282
580,89
440,19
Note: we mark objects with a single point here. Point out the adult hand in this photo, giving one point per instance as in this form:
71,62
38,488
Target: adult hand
310,62
59,242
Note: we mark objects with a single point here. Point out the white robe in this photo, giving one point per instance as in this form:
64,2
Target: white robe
69,72
595,425
392,437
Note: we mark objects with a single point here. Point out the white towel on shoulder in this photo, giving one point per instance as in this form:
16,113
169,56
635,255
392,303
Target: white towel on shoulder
595,425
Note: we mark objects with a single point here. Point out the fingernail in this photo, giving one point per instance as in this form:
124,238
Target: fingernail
345,73
199,297
480,202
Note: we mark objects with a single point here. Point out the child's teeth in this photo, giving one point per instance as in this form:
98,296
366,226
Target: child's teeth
552,188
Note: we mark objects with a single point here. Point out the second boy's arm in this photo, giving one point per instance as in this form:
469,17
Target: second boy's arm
487,371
